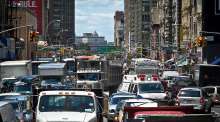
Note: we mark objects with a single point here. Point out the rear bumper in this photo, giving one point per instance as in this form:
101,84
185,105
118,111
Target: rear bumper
195,106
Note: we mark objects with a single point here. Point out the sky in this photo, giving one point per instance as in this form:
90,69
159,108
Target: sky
97,15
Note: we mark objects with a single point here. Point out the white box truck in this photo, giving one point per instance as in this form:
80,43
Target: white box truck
15,68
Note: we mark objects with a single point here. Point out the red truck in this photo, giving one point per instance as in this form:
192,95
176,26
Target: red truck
166,114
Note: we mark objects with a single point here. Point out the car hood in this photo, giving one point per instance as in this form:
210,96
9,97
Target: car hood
67,116
153,95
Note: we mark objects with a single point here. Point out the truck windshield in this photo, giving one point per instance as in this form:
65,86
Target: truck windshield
73,103
89,76
151,88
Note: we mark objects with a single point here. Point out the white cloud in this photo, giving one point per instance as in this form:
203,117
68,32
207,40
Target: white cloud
97,15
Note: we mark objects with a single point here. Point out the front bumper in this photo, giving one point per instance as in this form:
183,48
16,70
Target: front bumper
111,116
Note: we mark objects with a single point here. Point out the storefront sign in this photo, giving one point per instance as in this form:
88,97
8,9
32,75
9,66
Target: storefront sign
24,3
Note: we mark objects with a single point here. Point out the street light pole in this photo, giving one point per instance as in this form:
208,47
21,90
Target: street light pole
11,29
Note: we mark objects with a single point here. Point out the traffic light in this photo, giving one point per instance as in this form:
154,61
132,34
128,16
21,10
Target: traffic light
200,41
33,35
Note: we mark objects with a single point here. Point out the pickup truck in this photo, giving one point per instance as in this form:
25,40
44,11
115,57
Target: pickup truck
166,114
61,105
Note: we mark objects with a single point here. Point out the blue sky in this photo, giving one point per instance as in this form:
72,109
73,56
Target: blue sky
97,15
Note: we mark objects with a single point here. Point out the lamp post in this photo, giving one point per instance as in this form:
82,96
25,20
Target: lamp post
58,35
46,30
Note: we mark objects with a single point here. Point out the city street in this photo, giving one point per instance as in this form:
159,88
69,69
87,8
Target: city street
109,61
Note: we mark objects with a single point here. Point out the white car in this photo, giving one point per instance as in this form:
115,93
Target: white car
132,103
195,97
114,101
149,90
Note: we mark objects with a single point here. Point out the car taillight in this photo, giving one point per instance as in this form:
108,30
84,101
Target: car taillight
177,101
202,100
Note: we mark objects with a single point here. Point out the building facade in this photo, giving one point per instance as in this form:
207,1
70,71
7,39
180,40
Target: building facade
119,29
60,23
92,41
137,25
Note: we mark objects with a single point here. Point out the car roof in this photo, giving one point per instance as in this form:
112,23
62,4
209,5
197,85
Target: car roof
211,87
149,82
123,95
138,100
64,92
191,88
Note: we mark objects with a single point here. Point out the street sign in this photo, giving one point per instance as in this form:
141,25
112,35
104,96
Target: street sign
217,7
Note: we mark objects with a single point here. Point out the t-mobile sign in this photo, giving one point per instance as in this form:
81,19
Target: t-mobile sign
217,7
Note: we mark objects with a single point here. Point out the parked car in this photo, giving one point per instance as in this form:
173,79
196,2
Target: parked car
214,92
114,101
196,97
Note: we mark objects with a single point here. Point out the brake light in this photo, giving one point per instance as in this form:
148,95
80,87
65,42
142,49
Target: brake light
142,78
155,79
177,101
202,100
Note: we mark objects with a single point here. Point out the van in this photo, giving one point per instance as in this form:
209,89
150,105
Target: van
80,106
7,113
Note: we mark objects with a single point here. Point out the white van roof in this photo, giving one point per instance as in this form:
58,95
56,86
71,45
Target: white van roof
66,92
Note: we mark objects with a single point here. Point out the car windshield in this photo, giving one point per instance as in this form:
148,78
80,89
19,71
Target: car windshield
50,81
9,81
73,103
218,90
210,90
116,100
23,88
150,88
182,81
189,93
89,76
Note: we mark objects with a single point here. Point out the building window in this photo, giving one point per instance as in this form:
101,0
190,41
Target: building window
145,18
146,8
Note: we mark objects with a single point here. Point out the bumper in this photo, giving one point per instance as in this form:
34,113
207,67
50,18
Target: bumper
111,116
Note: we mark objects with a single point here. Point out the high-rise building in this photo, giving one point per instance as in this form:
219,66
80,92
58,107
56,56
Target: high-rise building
60,23
137,24
3,14
119,29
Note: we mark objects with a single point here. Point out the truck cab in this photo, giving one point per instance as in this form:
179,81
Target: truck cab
61,105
